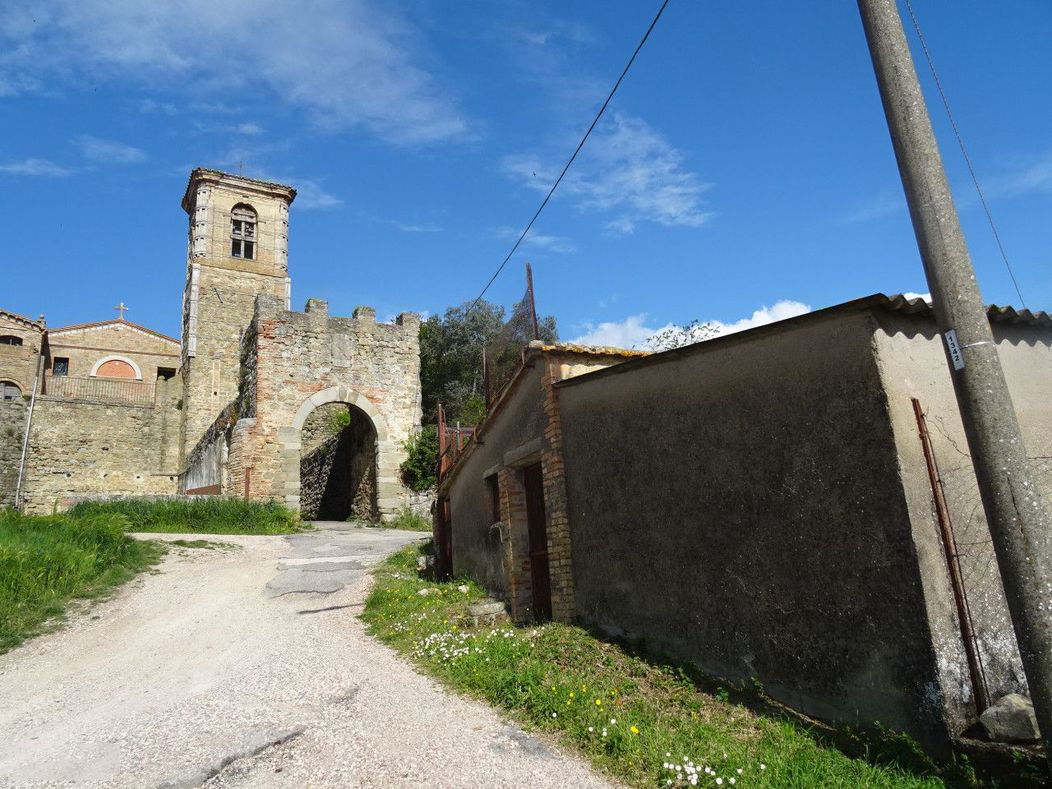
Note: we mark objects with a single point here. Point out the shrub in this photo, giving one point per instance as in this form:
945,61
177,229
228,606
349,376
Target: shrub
420,469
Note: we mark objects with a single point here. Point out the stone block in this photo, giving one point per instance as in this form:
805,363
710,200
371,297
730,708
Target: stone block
1011,719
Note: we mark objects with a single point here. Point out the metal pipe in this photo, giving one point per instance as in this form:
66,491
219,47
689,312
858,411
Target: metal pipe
953,565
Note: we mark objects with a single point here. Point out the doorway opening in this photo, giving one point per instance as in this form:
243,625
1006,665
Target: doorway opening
338,465
537,529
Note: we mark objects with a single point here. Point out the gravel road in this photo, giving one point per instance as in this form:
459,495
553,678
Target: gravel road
247,666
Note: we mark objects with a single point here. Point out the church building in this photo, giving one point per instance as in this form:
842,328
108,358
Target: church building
244,403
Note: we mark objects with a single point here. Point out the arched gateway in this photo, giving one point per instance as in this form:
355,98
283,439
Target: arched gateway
350,472
293,365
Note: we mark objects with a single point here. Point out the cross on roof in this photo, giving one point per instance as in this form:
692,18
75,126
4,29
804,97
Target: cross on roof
120,311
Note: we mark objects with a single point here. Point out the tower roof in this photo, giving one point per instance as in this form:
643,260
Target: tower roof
231,180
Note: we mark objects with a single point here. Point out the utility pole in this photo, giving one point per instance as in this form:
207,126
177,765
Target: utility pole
1020,524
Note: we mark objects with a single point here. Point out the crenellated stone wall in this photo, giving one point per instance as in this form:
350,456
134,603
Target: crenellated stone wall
292,363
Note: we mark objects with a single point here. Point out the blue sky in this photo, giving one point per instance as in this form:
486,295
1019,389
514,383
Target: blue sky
744,166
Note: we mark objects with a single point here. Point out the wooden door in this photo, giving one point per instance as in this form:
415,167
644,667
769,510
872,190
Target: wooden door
533,481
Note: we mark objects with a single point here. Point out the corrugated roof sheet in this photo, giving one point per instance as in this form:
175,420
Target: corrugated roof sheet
915,306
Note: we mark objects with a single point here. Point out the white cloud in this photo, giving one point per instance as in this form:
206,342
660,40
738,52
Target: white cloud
248,128
1033,176
108,151
417,228
628,170
310,195
348,63
629,333
34,167
150,106
633,332
535,239
878,206
911,296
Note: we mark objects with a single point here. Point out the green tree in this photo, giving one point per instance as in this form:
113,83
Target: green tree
451,356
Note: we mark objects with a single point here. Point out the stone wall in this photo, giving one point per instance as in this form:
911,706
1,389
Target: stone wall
85,346
220,290
338,476
295,362
18,363
12,429
79,448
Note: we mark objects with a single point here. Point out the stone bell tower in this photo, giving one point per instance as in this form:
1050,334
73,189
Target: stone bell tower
237,248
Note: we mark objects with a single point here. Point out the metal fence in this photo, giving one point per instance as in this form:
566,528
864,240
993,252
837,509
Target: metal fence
106,390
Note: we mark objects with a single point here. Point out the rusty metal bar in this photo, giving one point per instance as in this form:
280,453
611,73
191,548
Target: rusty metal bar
533,303
441,442
953,565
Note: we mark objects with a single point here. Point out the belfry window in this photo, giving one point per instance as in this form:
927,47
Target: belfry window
243,232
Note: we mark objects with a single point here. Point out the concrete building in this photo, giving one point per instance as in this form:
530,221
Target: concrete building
123,410
759,505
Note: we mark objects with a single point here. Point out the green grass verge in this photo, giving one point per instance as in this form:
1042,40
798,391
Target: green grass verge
407,520
206,515
631,717
46,561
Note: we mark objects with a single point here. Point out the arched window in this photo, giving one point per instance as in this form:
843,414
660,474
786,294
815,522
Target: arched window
243,232
116,367
10,339
9,391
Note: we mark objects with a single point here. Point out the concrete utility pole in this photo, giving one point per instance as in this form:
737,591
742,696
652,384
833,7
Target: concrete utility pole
1020,524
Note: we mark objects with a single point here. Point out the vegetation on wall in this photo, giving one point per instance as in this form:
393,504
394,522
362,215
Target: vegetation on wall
204,515
46,561
451,356
420,468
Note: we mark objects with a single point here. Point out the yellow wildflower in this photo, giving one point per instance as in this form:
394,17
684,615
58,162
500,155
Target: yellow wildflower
599,702
633,729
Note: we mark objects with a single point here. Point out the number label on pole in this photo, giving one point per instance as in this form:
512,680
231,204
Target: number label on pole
955,350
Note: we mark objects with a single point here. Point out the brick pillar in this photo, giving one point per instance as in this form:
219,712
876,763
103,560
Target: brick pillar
516,544
559,554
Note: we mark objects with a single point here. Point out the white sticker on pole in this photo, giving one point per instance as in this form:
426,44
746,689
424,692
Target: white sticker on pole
955,350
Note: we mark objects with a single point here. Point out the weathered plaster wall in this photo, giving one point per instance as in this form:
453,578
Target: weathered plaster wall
737,504
913,364
301,360
12,429
482,548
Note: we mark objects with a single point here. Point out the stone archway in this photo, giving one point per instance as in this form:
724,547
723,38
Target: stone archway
338,465
389,493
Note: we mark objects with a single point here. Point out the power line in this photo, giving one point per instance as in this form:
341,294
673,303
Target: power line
964,151
577,150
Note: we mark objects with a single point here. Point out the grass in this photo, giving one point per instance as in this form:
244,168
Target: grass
209,515
630,716
47,561
408,520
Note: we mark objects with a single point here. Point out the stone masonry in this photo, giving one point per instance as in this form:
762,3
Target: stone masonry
294,362
124,410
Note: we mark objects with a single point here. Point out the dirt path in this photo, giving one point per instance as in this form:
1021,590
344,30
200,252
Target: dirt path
247,666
